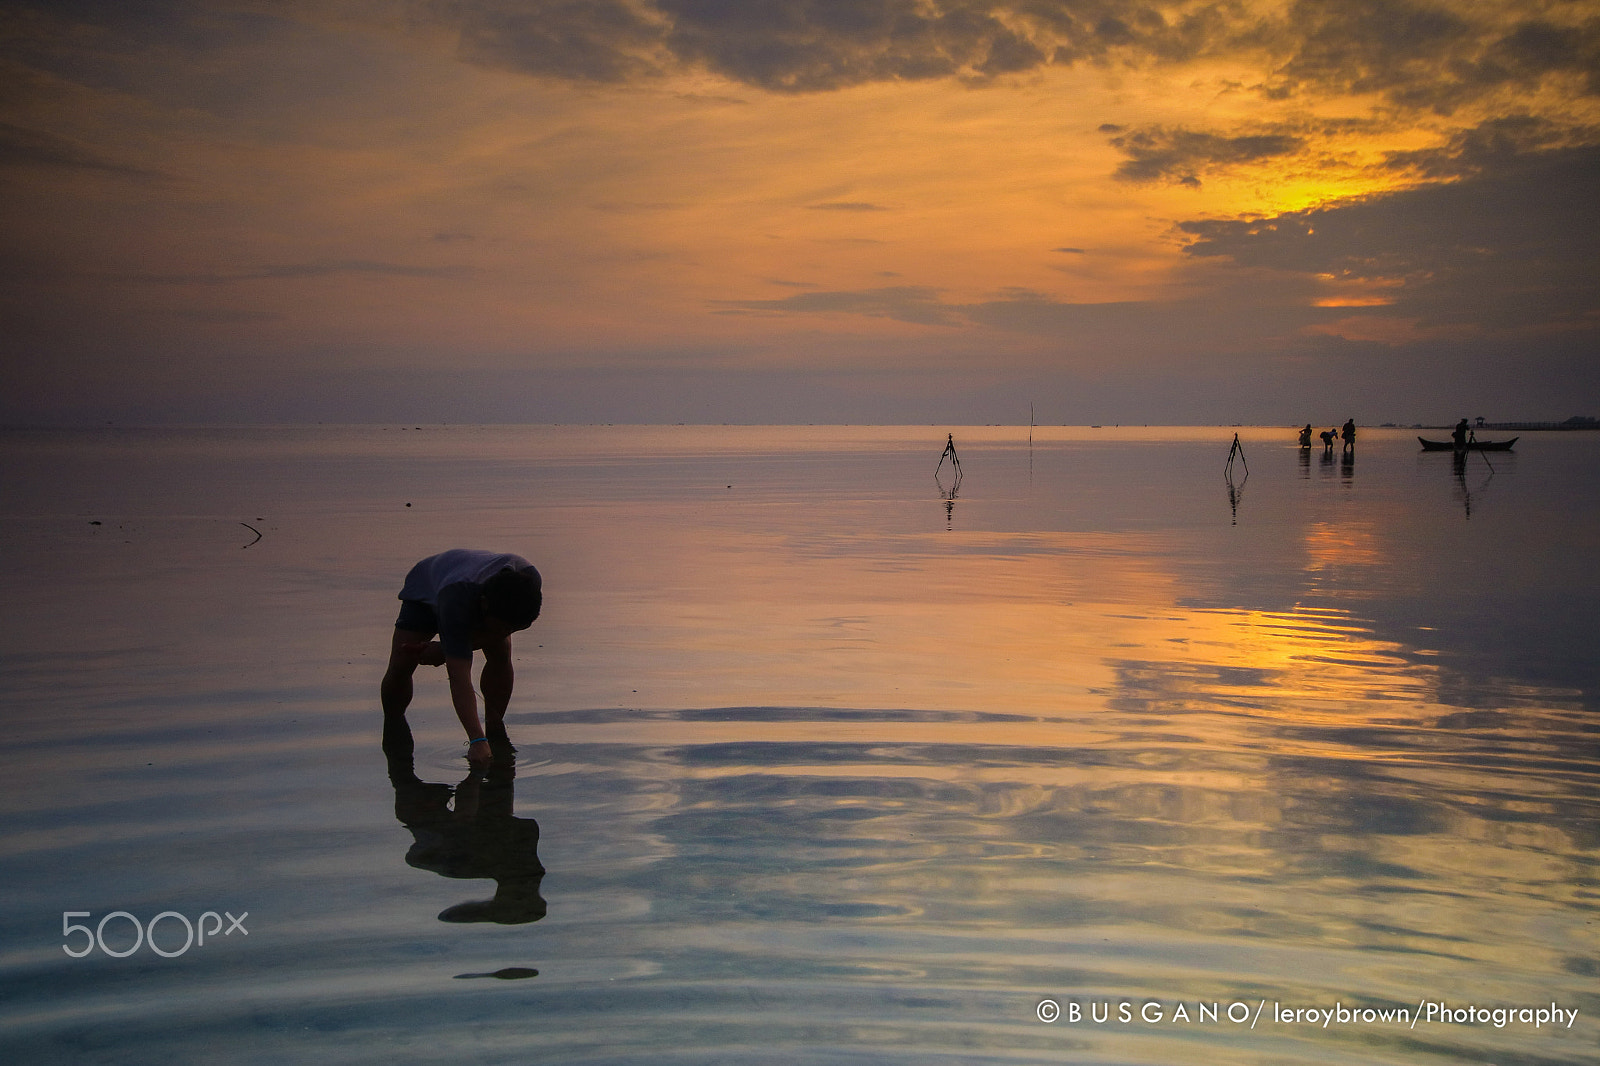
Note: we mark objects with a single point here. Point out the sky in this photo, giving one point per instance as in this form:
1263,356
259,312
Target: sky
844,211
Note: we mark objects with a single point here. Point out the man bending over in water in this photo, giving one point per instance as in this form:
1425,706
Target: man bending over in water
473,600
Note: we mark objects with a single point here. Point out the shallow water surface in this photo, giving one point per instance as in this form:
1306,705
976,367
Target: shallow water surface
819,761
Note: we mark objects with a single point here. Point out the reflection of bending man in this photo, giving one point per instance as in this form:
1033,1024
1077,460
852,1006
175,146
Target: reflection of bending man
479,837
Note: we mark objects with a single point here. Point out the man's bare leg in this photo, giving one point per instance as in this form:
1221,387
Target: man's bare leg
405,654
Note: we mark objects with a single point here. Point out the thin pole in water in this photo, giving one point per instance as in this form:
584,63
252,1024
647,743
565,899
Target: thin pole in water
1472,438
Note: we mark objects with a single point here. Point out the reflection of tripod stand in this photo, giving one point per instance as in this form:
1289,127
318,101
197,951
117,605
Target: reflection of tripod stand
948,494
1468,493
1237,451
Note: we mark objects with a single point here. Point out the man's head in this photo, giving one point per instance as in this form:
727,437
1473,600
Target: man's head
513,597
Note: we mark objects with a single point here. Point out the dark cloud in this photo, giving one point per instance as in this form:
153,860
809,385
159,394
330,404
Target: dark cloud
818,45
903,303
258,70
848,205
220,316
1509,248
635,207
583,40
328,268
1014,310
35,148
1184,156
292,271
1496,143
1391,46
1411,52
803,45
1160,153
57,271
1536,48
1427,55
1025,311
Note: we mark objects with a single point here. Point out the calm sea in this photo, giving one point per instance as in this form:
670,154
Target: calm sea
1097,756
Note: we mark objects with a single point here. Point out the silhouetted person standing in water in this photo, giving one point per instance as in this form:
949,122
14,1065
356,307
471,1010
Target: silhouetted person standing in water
1349,435
473,600
1305,436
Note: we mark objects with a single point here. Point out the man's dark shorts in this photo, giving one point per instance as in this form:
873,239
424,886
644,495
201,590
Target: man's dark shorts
417,617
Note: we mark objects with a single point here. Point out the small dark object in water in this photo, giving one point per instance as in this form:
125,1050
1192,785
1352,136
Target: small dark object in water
510,973
94,522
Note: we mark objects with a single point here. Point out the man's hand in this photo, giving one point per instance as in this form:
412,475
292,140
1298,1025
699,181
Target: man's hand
479,754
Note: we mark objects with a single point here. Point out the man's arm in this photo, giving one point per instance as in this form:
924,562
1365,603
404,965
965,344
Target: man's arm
466,705
496,682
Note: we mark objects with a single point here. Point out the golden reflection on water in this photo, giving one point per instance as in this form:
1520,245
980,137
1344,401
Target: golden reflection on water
1042,625
1347,543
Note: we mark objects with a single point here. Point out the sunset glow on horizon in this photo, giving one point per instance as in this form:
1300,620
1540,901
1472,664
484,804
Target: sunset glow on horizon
669,210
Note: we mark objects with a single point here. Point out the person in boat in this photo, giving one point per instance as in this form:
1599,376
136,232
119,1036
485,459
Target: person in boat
1459,434
1348,433
1305,436
473,600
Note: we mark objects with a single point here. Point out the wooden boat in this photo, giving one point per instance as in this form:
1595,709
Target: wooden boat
1470,446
